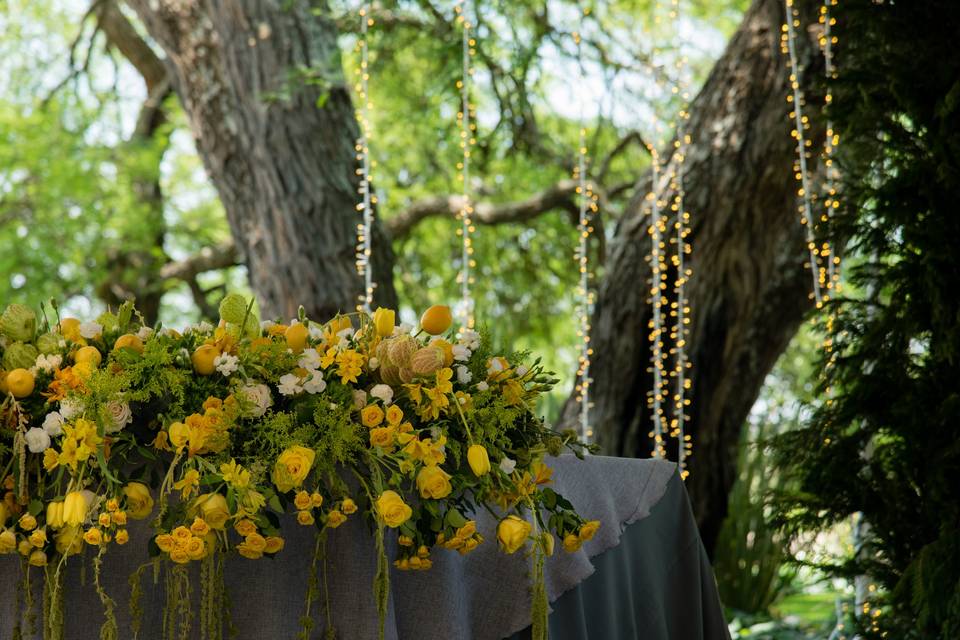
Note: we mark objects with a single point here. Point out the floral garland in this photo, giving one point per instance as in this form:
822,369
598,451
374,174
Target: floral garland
214,432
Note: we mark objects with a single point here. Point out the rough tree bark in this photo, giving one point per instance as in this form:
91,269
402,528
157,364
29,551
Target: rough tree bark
263,88
749,288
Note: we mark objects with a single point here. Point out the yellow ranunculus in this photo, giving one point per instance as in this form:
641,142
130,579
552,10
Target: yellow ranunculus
213,507
179,435
588,530
8,541
512,533
384,320
371,415
139,500
478,459
393,509
292,467
433,482
571,542
74,509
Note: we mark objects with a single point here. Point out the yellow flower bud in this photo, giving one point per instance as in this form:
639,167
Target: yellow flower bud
512,533
38,558
436,320
478,459
8,541
384,320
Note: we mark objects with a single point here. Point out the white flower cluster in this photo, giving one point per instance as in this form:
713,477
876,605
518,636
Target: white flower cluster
291,384
47,363
90,330
226,364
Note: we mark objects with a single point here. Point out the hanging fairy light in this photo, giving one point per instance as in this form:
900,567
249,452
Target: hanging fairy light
801,124
680,307
587,204
830,142
364,249
466,122
659,394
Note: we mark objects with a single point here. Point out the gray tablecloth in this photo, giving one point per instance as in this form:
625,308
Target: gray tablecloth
656,584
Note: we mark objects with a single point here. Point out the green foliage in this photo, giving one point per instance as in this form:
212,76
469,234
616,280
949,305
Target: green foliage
886,445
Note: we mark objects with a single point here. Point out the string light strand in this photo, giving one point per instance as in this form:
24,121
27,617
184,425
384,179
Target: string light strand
466,121
364,250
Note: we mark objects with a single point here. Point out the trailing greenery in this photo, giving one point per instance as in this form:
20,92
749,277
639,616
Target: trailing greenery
886,445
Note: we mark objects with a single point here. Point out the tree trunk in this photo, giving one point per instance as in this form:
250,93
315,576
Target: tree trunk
263,88
750,286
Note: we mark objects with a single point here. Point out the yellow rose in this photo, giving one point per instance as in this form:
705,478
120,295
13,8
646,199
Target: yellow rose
75,508
478,459
571,542
348,506
394,414
384,320
180,556
38,558
93,536
256,541
27,522
305,518
139,500
122,537
393,509
8,541
245,527
214,510
181,536
196,548
104,520
381,437
371,415
302,501
512,533
165,542
292,467
316,499
274,544
199,527
588,530
433,482
335,519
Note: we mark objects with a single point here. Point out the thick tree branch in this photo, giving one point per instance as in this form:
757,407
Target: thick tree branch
125,38
218,256
558,196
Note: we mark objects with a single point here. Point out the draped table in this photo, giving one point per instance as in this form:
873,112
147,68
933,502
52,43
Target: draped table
645,575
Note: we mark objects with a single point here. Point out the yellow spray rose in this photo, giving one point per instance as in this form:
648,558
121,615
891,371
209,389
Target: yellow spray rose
274,544
122,536
302,500
8,542
348,506
433,482
478,459
588,530
335,519
38,558
93,536
512,533
27,522
393,509
371,415
292,467
139,500
214,510
571,542
384,320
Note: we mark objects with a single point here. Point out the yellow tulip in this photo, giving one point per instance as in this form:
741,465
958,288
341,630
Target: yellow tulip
478,459
436,320
88,354
296,336
384,320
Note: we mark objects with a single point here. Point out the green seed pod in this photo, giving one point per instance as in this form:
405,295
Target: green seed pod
19,322
20,356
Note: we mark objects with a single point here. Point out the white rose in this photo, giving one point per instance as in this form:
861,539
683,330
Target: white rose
37,440
90,330
53,424
120,415
70,408
383,392
507,465
259,398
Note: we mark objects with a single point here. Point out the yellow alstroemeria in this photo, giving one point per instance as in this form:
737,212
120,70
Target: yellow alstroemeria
189,483
235,475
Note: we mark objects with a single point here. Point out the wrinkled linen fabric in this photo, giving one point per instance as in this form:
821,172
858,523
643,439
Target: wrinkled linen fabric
482,596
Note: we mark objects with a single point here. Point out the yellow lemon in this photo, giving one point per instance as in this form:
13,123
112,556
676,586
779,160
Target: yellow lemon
203,359
20,383
129,341
436,319
89,355
296,336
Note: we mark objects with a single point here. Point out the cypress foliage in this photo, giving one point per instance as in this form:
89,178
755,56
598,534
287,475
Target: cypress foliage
888,443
